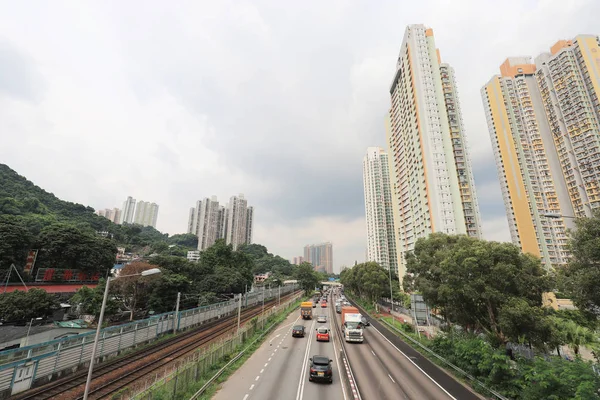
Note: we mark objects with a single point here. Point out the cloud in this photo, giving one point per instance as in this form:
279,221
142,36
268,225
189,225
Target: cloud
19,76
103,100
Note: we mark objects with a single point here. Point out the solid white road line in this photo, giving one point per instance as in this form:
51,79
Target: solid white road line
301,382
413,363
336,360
391,378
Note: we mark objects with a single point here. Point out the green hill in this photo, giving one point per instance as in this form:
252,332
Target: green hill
66,233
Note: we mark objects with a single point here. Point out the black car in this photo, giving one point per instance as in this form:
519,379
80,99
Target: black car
298,331
320,369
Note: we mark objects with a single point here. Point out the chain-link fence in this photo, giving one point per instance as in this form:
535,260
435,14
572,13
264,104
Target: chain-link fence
174,381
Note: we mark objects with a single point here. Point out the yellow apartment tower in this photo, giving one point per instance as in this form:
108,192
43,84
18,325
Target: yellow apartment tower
430,169
544,122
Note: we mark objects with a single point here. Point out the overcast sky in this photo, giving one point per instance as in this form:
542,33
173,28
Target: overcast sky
172,102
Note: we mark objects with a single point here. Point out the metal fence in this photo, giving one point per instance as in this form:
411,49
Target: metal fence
36,364
183,374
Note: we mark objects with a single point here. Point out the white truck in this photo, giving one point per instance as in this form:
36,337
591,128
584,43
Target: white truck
353,328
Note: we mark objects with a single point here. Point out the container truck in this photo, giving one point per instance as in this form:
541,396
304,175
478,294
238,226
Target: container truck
352,325
306,308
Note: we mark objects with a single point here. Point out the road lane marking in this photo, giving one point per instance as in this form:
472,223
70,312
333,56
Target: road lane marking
266,364
285,326
301,382
245,397
391,378
269,359
373,353
413,363
257,378
262,370
252,386
274,337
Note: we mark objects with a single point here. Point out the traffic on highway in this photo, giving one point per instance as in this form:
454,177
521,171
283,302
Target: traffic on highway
306,358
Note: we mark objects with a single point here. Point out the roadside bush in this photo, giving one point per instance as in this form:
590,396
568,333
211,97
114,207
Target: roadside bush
522,379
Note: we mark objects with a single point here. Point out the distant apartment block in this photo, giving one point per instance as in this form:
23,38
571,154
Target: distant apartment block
237,220
112,214
146,214
128,210
430,172
379,210
320,256
297,260
211,221
544,121
193,255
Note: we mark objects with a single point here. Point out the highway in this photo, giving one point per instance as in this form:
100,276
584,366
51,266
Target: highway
279,368
383,371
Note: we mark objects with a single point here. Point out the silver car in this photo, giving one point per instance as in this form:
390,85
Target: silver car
322,318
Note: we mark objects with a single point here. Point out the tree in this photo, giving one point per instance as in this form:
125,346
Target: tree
89,301
15,240
20,305
223,270
307,277
164,292
471,281
583,270
188,240
133,292
67,247
368,280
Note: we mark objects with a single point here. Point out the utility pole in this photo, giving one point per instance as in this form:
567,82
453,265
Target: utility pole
239,313
391,292
176,319
263,308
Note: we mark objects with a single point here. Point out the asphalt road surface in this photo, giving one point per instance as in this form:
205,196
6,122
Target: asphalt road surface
383,371
279,368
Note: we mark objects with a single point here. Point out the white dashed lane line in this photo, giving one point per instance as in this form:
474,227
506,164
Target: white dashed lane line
267,363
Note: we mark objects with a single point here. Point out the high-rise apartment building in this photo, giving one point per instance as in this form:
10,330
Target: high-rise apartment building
112,214
320,256
543,119
298,260
128,210
146,214
205,223
210,221
430,169
379,211
249,223
237,230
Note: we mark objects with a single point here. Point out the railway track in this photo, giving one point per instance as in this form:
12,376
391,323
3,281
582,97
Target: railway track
112,376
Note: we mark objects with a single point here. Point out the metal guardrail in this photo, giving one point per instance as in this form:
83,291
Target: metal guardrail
21,368
448,363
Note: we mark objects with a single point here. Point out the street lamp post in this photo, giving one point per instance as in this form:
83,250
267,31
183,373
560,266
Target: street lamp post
29,329
557,216
391,292
147,272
